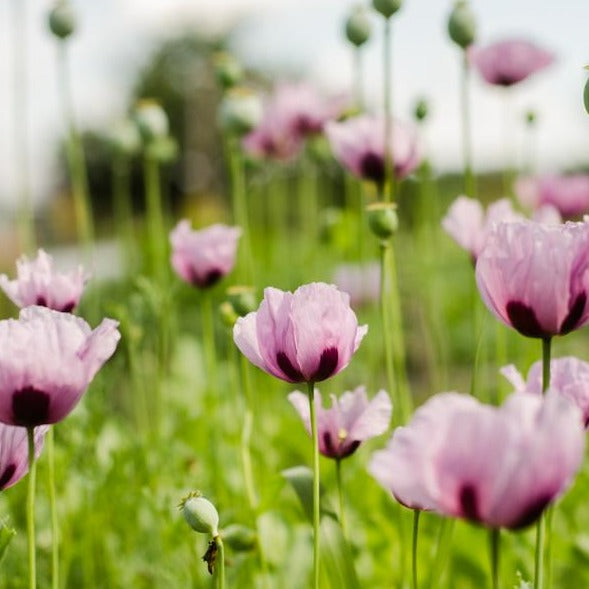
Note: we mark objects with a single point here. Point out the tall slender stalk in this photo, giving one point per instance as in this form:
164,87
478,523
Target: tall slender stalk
246,434
50,444
389,192
469,182
31,508
121,193
316,485
220,562
155,217
358,79
416,513
340,492
386,325
494,546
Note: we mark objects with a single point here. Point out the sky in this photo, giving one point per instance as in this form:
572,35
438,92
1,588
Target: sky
304,38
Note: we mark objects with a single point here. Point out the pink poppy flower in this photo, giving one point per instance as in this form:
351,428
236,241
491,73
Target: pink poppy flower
497,466
14,452
305,336
203,257
350,420
38,283
358,144
508,62
291,114
569,194
569,377
48,361
535,278
360,281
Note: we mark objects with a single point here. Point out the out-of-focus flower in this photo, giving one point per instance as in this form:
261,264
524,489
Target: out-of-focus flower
290,115
14,453
569,377
360,281
535,277
48,360
569,194
38,283
203,257
497,466
305,336
359,145
508,62
351,420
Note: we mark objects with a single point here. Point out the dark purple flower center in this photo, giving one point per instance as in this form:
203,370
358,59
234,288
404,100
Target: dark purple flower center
372,167
341,449
30,407
288,369
575,314
505,80
531,512
468,499
41,301
208,280
68,308
7,475
523,319
327,364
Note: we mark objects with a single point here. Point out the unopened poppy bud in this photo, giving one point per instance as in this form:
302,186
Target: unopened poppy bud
200,514
62,20
462,24
243,299
228,314
125,139
239,538
240,111
227,69
382,219
420,112
386,7
531,117
151,119
358,26
163,149
586,93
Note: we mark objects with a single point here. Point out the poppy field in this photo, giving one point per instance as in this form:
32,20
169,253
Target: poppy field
339,369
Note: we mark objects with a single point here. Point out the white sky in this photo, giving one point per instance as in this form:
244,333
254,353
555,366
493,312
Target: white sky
304,36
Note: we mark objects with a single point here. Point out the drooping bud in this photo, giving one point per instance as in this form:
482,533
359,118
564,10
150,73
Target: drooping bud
586,93
243,299
227,69
239,538
420,111
462,24
200,514
358,26
531,117
386,7
382,219
240,111
124,138
62,19
151,119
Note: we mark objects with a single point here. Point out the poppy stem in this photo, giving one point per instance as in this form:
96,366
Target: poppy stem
386,326
155,218
316,483
495,546
31,508
340,490
416,514
121,194
389,168
469,182
358,79
53,507
221,562
546,363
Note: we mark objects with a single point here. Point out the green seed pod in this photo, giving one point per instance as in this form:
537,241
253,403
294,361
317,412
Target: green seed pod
162,149
586,93
200,514
240,111
62,20
386,7
382,219
151,119
125,139
421,110
358,26
462,24
227,69
239,538
531,117
243,299
228,314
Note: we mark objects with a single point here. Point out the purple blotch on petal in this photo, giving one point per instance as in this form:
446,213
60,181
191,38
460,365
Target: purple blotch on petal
289,370
372,167
7,475
349,449
30,407
68,308
523,319
327,364
532,512
330,449
41,301
469,502
575,314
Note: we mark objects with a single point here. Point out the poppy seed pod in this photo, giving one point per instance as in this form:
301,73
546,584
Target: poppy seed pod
227,70
358,26
124,138
421,110
240,111
200,514
386,7
151,119
383,219
62,20
243,299
462,25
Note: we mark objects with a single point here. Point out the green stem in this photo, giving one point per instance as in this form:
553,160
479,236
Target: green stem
50,443
208,333
546,363
494,545
155,218
549,516
246,434
220,562
416,514
340,492
121,192
358,79
316,484
31,507
389,193
469,182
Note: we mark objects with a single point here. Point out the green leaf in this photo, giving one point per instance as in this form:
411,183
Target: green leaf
6,535
301,479
336,557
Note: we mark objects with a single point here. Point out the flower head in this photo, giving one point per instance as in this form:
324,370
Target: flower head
305,336
497,466
359,145
535,278
203,257
14,453
38,283
350,420
48,361
508,62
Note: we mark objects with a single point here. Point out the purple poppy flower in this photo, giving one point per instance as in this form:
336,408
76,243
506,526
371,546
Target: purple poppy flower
305,336
14,453
497,466
350,420
569,194
203,257
360,281
359,145
508,62
535,278
48,360
38,283
569,377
